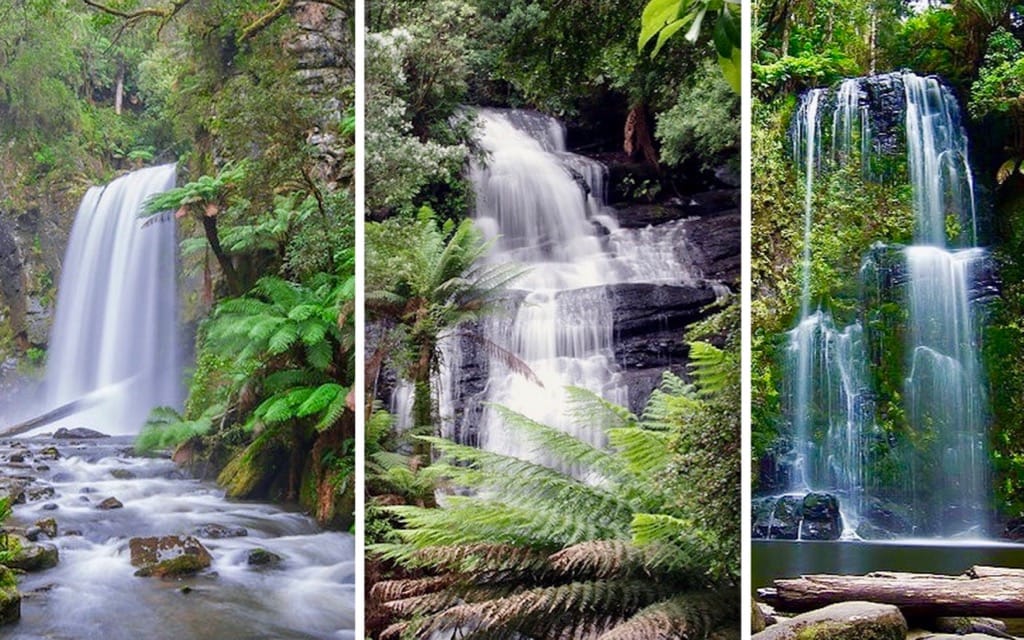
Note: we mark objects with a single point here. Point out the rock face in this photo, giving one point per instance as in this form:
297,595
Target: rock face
844,621
110,503
168,556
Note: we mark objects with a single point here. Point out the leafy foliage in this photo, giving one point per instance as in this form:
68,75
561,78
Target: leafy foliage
665,18
630,549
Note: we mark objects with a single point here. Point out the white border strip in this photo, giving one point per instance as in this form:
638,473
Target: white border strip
360,315
745,440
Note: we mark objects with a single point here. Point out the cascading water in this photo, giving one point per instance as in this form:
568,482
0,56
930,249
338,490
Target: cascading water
544,209
941,483
116,324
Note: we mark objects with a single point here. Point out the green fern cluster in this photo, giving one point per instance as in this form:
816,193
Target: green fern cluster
292,358
521,550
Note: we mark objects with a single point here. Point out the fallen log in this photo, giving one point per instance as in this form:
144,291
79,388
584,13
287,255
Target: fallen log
78,405
994,592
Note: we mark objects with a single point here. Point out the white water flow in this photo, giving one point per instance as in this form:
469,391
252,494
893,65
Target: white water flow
544,210
116,322
939,480
944,387
93,592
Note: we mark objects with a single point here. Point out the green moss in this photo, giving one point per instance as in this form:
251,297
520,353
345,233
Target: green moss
183,565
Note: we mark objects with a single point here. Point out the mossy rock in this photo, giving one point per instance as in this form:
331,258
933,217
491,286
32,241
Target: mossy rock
10,599
184,565
255,471
843,621
33,556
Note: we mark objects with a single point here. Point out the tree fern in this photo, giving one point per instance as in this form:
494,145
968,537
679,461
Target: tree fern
533,552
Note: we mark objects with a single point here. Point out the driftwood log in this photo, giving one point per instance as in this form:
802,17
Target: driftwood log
87,401
981,591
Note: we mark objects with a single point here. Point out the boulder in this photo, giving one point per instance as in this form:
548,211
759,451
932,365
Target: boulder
110,503
168,556
843,621
16,457
821,518
263,558
78,433
40,493
122,474
49,453
47,526
33,556
218,531
10,599
785,521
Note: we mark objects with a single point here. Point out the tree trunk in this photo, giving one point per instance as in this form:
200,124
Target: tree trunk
226,266
982,591
637,140
423,403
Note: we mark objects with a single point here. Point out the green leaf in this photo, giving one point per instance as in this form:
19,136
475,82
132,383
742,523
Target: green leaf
320,399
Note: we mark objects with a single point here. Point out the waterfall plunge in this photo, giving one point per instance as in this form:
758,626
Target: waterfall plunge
116,325
943,485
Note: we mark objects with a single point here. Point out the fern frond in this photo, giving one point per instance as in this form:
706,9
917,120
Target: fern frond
683,617
587,407
712,368
600,559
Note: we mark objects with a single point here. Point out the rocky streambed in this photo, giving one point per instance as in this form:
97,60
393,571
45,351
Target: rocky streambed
114,546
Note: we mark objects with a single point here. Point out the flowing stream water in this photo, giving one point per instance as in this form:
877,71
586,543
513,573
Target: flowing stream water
117,330
941,482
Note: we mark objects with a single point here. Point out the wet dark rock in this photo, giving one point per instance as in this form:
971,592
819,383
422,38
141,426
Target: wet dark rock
48,526
34,556
110,503
33,533
761,518
786,518
709,203
821,518
78,433
10,599
42,468
123,474
40,493
16,457
168,556
712,246
219,531
49,453
262,558
62,477
73,532
86,490
50,506
883,520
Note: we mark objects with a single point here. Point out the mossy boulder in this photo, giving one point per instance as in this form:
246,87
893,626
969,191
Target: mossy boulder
10,599
168,556
32,556
843,621
263,558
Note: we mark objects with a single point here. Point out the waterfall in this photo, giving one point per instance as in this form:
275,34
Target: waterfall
828,393
544,209
116,325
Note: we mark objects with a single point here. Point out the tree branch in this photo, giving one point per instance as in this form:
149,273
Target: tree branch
265,21
133,15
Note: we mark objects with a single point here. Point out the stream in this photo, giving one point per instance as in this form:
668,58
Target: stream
93,592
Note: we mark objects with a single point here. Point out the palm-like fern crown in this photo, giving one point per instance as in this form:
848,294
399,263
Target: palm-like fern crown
532,552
